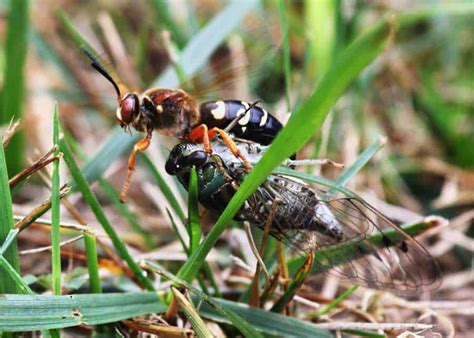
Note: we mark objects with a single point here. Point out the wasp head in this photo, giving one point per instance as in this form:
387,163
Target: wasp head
128,109
129,104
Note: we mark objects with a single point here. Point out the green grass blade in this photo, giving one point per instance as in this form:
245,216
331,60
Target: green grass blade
93,203
361,161
7,285
16,47
194,223
336,301
8,240
73,32
299,129
175,228
9,271
6,266
113,196
283,12
206,268
321,26
55,205
198,324
115,146
194,56
165,189
47,53
362,333
165,18
40,312
270,323
90,244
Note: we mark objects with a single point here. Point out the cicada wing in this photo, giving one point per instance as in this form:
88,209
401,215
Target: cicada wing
359,248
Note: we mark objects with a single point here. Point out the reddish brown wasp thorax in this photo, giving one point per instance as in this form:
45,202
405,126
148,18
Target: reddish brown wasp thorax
176,111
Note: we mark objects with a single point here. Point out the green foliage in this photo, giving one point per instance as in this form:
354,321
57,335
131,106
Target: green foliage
7,285
13,92
329,59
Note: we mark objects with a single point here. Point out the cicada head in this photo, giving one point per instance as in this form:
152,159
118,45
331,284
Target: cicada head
183,157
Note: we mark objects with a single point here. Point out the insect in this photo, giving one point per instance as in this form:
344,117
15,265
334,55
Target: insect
310,218
173,112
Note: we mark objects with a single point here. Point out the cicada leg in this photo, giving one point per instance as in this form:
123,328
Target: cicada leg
220,167
141,145
254,296
321,161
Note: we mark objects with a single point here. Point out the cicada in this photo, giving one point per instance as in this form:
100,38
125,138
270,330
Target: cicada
349,237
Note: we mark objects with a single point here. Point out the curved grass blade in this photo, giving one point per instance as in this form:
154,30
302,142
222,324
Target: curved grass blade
361,161
91,199
283,13
40,312
166,19
72,31
165,189
7,285
194,56
299,129
117,144
336,301
270,323
191,313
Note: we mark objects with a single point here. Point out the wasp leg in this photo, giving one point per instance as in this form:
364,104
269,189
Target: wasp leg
200,133
141,145
231,145
203,134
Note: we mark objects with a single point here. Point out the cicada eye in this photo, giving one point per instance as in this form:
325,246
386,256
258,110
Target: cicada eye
197,158
172,167
128,110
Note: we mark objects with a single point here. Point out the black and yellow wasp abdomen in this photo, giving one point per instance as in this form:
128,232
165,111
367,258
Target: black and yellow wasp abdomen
257,125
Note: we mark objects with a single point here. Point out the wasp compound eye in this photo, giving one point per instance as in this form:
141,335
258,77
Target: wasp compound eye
129,107
197,158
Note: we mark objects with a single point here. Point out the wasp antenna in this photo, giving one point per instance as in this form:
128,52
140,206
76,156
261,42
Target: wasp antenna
98,67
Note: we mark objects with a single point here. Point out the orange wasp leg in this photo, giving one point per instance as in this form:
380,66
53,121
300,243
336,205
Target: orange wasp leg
201,133
141,146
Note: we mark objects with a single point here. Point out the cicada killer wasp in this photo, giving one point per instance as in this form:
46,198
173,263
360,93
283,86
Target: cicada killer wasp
174,112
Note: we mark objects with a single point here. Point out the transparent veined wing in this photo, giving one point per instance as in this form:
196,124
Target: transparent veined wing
349,237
